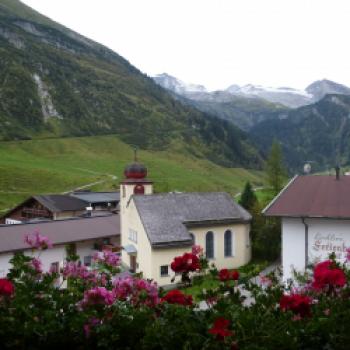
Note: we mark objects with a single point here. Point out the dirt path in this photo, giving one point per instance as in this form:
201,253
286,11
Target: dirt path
254,190
83,187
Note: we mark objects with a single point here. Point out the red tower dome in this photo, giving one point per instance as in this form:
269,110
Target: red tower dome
135,171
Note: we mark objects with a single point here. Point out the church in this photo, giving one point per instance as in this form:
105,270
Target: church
148,229
155,228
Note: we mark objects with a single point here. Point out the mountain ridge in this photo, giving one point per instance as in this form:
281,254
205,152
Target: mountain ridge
287,96
63,84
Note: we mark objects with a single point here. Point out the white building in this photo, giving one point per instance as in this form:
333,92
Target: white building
315,213
84,235
155,228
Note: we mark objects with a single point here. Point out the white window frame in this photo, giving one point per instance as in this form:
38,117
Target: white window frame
160,271
132,235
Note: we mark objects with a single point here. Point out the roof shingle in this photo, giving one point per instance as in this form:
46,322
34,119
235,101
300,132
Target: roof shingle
166,217
313,196
60,231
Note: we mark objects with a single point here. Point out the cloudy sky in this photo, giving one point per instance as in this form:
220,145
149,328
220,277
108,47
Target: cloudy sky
219,42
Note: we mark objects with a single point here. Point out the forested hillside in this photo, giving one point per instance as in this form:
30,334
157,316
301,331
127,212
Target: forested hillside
54,82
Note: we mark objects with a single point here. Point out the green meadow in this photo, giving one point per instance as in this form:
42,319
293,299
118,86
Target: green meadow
63,164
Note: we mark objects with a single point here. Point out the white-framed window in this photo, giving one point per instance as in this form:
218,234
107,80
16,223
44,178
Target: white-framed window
132,235
164,271
87,260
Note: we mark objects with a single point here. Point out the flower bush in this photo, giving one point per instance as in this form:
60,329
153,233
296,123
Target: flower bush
99,308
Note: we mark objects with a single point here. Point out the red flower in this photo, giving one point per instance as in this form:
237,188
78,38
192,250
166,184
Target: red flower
327,274
235,275
297,303
177,297
220,328
6,287
224,275
185,263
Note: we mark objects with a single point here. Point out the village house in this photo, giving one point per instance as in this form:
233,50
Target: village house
315,216
84,236
61,206
155,228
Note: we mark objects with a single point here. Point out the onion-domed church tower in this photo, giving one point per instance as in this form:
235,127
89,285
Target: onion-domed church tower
135,183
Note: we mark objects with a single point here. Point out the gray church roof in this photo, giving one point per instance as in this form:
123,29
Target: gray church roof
167,217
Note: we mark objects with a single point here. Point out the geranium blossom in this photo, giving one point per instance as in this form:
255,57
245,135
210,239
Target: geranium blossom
6,287
327,274
107,257
177,297
36,264
297,303
93,322
220,328
97,296
197,249
235,275
226,275
37,241
72,269
348,255
188,262
136,290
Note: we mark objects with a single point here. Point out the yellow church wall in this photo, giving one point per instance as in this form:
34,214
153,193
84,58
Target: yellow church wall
130,220
241,250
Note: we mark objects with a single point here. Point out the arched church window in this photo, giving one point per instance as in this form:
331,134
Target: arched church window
228,243
209,245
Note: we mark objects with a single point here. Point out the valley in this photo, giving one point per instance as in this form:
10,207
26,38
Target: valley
61,164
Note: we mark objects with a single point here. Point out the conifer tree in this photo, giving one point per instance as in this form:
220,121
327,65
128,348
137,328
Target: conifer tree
248,198
274,168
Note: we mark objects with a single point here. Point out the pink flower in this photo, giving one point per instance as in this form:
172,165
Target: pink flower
71,269
348,254
93,322
107,257
37,241
97,296
265,281
197,249
36,264
136,290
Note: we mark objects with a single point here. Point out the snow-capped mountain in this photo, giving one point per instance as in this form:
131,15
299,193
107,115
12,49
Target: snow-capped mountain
283,95
291,97
286,96
175,85
320,88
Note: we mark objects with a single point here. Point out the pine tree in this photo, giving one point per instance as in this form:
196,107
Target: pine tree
248,198
274,168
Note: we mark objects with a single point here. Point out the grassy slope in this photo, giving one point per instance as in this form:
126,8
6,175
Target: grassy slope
58,165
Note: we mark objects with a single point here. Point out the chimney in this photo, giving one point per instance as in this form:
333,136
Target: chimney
337,172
